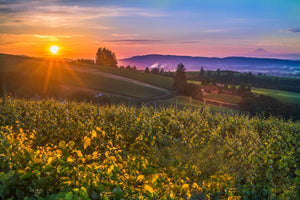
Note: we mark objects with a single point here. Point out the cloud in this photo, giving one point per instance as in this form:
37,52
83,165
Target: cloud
294,30
134,41
46,13
54,37
124,34
6,43
191,42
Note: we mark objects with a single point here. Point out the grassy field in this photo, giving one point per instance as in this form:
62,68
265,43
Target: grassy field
157,80
290,97
194,82
63,73
224,97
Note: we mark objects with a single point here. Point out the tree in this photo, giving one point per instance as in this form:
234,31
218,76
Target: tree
106,57
179,81
147,70
155,70
201,73
218,72
162,71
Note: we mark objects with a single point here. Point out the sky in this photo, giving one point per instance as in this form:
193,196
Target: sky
214,28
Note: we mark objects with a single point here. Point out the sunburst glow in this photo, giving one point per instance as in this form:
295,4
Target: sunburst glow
54,49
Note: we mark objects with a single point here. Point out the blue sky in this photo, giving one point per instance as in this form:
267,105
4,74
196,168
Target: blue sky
198,28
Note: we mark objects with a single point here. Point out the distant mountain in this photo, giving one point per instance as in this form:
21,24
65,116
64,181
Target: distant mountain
169,62
260,50
262,53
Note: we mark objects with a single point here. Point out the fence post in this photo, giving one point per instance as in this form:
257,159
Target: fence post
154,106
190,101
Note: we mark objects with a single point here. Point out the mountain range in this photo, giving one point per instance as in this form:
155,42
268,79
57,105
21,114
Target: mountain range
242,64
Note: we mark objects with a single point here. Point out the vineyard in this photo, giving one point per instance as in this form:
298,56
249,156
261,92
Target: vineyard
54,150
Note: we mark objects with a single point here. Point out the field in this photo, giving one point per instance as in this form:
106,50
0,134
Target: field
53,150
157,80
290,97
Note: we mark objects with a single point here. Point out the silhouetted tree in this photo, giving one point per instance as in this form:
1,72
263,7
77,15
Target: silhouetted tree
179,81
147,70
87,61
128,67
106,57
162,72
155,71
201,73
218,72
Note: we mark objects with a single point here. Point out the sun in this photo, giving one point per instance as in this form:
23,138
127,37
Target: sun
54,49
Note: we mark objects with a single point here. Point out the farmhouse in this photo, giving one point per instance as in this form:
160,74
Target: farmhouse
212,88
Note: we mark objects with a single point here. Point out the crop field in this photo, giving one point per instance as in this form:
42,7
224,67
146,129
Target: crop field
53,150
291,97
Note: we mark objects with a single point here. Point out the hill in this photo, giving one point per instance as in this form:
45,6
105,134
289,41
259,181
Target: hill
259,65
44,74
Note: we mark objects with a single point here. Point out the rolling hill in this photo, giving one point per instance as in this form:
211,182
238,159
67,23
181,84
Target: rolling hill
44,72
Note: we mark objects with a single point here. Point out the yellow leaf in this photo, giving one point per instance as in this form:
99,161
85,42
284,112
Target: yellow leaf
110,169
69,159
79,153
154,178
62,144
195,186
49,160
86,142
149,188
94,134
185,186
188,194
95,154
172,195
140,177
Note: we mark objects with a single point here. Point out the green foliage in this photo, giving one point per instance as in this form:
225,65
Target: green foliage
180,82
50,150
106,57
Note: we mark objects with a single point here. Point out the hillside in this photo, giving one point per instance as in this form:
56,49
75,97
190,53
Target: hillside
100,79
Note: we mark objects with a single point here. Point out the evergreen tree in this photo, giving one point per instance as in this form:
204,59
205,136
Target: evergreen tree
218,72
147,70
179,82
